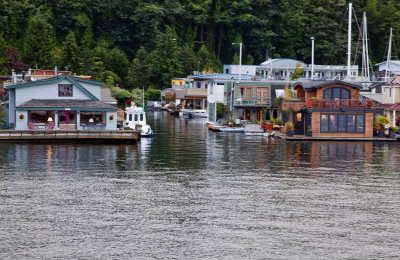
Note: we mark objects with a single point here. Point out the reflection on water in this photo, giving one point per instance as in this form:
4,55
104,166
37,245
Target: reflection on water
191,193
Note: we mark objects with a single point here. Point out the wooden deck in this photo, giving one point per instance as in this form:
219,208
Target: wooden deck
310,138
69,136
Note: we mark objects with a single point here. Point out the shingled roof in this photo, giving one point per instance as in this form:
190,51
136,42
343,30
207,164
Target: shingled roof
73,104
311,85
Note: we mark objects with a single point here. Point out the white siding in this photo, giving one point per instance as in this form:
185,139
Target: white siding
111,124
48,91
21,124
94,89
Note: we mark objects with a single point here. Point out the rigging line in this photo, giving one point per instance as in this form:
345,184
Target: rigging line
359,31
395,49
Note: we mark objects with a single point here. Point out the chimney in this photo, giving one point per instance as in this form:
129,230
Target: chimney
55,70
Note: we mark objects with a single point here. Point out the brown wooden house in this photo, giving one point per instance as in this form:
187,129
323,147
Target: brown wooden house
330,109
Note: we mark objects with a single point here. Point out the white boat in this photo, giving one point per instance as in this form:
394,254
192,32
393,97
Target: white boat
194,112
135,118
253,129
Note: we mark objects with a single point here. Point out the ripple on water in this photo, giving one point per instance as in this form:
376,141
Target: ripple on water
190,193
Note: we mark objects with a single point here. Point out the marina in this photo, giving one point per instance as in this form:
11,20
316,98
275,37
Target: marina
234,196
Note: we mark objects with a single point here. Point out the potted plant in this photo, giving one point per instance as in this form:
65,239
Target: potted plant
21,116
289,128
392,131
111,117
380,123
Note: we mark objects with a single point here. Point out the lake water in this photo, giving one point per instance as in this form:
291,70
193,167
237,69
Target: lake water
189,193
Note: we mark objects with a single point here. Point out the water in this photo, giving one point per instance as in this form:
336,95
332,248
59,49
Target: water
193,194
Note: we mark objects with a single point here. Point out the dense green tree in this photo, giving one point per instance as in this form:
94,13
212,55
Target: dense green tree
140,72
108,34
38,42
152,94
188,61
164,62
71,55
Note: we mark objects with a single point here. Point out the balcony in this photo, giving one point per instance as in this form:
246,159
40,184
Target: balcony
252,101
340,103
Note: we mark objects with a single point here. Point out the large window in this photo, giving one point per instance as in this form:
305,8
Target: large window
337,93
93,118
245,92
40,116
65,90
342,123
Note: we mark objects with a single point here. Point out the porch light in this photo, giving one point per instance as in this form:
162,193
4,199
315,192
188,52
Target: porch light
50,119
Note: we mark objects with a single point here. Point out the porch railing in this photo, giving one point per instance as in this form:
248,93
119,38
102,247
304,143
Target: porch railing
251,101
340,103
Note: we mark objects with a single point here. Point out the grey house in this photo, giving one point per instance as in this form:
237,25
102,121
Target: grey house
61,103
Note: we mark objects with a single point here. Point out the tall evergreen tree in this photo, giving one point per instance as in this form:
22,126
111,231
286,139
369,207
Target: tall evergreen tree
39,40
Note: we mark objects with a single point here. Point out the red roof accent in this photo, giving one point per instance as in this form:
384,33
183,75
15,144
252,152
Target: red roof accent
395,106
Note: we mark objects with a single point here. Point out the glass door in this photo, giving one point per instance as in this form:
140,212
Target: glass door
66,118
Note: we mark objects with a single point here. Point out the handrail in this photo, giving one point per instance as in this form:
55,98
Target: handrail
340,103
252,101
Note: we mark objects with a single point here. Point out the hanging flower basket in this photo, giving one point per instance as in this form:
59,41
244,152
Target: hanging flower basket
111,117
21,116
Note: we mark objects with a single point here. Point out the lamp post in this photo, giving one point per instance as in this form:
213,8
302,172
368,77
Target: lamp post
312,58
240,58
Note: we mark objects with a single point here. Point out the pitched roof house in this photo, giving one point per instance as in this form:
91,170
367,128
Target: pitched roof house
330,109
61,102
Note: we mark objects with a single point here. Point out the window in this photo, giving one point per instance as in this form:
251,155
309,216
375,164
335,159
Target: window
262,95
342,123
245,92
211,89
65,90
40,116
337,93
93,118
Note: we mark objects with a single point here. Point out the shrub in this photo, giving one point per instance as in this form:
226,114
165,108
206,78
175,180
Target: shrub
289,126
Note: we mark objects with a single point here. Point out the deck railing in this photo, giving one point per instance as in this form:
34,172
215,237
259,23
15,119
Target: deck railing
340,103
251,101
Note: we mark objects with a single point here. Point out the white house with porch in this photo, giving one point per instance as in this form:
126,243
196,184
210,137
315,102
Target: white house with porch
391,100
61,102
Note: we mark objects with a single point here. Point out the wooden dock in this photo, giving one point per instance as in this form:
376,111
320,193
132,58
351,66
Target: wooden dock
310,138
69,136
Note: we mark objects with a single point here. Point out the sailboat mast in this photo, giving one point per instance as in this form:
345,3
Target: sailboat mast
389,57
365,56
143,98
349,41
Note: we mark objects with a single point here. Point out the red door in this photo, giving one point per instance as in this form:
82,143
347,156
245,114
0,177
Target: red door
67,117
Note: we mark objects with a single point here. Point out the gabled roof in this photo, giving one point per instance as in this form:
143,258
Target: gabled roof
395,106
311,85
74,80
392,61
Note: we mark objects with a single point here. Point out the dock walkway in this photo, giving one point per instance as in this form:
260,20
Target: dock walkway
70,135
310,138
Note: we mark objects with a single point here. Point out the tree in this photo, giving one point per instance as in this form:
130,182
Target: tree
13,59
39,40
164,62
188,61
152,94
297,71
140,71
72,55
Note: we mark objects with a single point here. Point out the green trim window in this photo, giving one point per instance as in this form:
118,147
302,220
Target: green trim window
342,123
65,90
